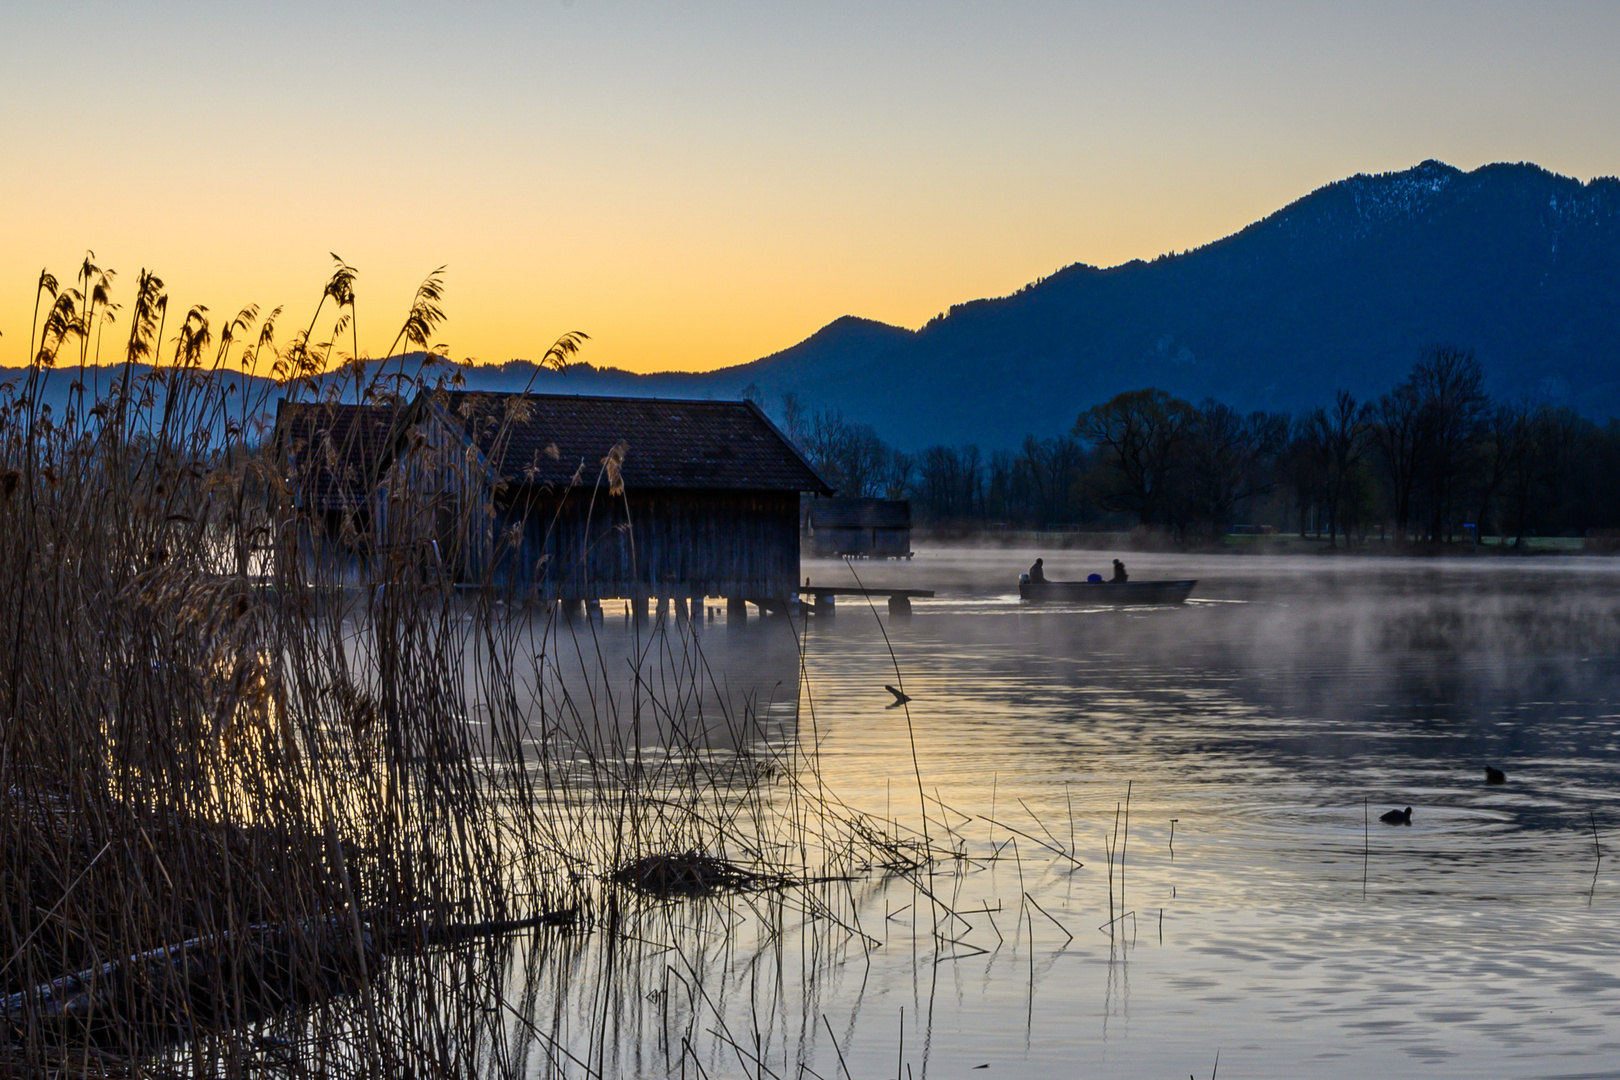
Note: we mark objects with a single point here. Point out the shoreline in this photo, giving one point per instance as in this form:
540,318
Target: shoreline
1251,545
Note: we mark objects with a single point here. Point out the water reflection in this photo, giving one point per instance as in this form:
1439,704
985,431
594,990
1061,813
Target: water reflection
1268,723
612,685
1261,716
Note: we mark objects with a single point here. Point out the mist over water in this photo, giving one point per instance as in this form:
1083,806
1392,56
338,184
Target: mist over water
1260,715
1268,723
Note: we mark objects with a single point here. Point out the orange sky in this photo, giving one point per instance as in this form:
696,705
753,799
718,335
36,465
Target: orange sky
697,185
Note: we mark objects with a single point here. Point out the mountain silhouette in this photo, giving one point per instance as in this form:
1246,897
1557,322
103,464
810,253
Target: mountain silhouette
1339,289
840,350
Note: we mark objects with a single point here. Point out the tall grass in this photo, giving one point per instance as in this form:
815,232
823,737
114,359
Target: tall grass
271,794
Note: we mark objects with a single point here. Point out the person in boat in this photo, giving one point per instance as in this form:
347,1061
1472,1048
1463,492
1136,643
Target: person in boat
1036,574
1120,576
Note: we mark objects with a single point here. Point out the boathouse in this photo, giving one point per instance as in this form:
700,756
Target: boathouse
329,455
594,498
861,528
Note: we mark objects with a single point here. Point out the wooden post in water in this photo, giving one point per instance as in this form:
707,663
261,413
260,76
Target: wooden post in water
736,609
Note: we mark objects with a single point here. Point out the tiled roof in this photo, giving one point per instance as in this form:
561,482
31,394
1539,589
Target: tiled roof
331,451
548,438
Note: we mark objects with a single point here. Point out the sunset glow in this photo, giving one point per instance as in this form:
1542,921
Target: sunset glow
701,185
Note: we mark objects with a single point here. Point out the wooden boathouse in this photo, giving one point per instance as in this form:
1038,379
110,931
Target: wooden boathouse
863,528
595,498
329,455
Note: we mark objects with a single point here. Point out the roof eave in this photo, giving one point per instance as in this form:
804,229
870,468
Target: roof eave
825,488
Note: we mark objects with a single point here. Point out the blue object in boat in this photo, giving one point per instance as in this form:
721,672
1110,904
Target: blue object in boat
1093,579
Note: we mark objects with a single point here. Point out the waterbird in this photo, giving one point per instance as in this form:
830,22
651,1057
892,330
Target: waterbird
1495,776
1397,817
900,696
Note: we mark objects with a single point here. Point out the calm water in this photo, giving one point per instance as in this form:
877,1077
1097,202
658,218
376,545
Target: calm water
1269,718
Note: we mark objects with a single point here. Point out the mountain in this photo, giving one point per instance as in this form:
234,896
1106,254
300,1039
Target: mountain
1339,289
839,351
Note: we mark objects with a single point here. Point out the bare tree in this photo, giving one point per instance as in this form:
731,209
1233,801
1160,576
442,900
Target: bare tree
794,418
849,456
1450,388
1398,429
1139,437
899,469
950,481
1052,468
1337,440
1508,437
1229,459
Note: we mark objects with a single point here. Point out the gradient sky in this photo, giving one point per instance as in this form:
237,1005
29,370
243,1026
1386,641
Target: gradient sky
701,184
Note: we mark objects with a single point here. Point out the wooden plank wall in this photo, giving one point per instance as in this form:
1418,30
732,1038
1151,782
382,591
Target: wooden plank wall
741,544
434,513
840,540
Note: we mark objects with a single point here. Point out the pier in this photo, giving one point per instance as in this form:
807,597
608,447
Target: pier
822,597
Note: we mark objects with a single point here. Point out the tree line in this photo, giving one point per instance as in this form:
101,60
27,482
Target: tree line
1422,463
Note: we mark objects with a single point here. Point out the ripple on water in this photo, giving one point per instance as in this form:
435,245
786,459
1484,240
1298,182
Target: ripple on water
1309,939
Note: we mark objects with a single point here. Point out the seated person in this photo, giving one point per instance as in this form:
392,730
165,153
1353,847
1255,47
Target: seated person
1120,576
1036,573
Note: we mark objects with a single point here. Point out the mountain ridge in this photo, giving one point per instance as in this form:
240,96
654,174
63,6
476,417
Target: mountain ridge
1340,288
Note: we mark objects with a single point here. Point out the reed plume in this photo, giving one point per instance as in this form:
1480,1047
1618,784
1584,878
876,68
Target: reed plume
278,773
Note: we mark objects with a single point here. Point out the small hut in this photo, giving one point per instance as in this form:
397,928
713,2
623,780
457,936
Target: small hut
329,455
863,528
592,498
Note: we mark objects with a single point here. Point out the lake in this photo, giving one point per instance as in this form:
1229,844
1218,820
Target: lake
1260,909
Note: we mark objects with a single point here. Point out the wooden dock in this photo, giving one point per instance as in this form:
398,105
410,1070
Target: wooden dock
823,597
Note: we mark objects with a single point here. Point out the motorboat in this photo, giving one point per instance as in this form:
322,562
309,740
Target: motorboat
1108,593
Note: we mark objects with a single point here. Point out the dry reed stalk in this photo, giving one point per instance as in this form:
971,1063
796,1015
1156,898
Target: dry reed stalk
298,753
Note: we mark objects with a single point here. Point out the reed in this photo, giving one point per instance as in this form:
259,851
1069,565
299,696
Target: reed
276,797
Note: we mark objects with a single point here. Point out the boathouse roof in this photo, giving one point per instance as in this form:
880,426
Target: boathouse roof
668,443
332,450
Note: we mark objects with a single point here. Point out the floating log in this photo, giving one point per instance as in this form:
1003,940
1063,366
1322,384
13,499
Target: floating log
177,985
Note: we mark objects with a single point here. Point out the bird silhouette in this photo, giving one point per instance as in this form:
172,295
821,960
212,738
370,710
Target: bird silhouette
1495,776
900,696
1397,817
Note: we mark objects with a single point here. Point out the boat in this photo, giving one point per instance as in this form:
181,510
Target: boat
1111,593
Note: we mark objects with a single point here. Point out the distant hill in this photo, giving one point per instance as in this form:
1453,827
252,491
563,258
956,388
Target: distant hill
840,350
1339,289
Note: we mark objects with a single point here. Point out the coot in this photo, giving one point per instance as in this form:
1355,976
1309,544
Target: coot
1397,817
1495,776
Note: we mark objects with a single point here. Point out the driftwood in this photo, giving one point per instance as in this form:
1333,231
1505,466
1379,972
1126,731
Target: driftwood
429,936
177,986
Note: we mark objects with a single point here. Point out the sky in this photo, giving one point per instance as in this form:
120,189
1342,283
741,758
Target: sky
701,184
